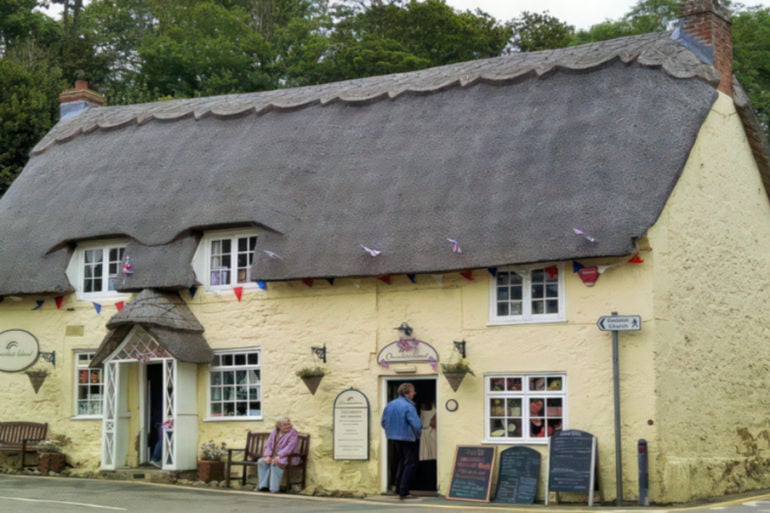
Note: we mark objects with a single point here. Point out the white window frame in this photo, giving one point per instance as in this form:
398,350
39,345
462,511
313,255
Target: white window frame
230,392
76,269
202,259
526,317
86,408
548,414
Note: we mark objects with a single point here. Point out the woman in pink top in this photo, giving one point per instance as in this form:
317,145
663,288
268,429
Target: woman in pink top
281,443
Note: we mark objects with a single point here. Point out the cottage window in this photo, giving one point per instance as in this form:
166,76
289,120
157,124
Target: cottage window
96,268
524,408
89,386
530,294
235,389
224,259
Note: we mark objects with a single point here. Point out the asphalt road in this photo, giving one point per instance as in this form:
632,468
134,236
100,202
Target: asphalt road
31,494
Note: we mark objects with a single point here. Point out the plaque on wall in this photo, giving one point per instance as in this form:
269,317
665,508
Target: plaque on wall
19,350
351,425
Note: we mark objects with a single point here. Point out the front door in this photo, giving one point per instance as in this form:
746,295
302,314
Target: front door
426,477
165,381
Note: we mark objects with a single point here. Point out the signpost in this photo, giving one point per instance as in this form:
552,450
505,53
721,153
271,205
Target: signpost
616,323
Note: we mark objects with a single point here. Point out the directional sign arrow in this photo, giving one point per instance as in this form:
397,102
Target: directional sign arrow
620,323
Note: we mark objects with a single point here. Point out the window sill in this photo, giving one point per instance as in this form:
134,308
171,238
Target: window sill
87,417
516,441
527,321
228,418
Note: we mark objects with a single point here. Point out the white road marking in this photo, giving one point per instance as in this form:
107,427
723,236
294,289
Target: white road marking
95,506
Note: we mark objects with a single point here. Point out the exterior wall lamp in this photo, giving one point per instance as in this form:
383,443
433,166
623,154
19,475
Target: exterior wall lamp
320,352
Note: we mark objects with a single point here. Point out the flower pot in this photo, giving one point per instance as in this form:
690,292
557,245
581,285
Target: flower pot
51,462
312,383
454,379
209,470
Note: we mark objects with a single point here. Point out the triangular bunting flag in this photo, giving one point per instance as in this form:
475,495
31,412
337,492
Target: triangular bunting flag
552,271
238,291
39,304
330,280
636,259
119,305
262,284
97,307
576,266
468,275
492,271
192,290
412,278
308,281
385,278
58,300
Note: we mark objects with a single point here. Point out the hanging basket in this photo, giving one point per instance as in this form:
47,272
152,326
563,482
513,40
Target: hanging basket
312,383
37,377
455,379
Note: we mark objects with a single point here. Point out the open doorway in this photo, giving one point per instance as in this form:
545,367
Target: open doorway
154,415
425,481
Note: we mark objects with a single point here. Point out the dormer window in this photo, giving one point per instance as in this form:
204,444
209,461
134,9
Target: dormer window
95,269
224,258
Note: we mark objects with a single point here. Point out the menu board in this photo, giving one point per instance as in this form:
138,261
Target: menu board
472,473
572,462
351,425
518,475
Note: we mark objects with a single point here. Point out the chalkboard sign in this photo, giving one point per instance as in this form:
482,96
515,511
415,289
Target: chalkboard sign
572,462
518,475
472,473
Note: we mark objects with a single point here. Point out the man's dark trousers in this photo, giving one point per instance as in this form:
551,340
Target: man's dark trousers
406,453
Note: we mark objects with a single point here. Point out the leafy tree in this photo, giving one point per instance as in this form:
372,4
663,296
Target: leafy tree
751,59
540,31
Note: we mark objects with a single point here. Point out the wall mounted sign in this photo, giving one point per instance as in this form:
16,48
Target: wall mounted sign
351,425
19,350
409,350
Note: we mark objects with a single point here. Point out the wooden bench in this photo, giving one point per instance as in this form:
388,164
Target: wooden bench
21,438
255,446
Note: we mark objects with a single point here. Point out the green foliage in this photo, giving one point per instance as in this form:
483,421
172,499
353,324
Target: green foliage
310,372
540,31
751,48
459,367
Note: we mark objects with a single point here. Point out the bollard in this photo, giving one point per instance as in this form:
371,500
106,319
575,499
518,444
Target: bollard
644,474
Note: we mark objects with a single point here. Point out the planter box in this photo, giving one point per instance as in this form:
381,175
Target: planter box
211,470
51,462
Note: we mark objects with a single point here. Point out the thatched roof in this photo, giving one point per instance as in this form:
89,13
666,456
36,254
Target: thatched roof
166,318
507,156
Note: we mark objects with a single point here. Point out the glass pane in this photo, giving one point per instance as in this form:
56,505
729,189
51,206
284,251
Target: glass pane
516,309
515,279
502,279
227,359
514,384
240,359
216,394
497,407
502,309
537,275
554,384
216,378
538,307
537,291
514,428
552,290
554,425
537,427
226,244
496,384
216,409
536,407
253,359
537,383
516,293
496,428
502,294
514,407
553,408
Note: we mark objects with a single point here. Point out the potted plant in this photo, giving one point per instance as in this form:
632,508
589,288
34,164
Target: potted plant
312,377
211,467
50,455
455,372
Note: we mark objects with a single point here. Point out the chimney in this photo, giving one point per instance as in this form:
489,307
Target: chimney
74,101
706,30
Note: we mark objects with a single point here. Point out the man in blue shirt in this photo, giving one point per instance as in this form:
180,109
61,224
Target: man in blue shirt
403,426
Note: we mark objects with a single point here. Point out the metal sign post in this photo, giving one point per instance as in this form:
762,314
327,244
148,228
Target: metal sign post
615,323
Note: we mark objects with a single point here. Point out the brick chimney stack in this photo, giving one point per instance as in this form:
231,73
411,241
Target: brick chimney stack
74,101
707,22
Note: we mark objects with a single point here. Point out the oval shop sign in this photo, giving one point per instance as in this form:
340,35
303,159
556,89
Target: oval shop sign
18,350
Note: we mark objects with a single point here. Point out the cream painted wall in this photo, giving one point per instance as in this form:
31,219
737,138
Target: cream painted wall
692,381
712,300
